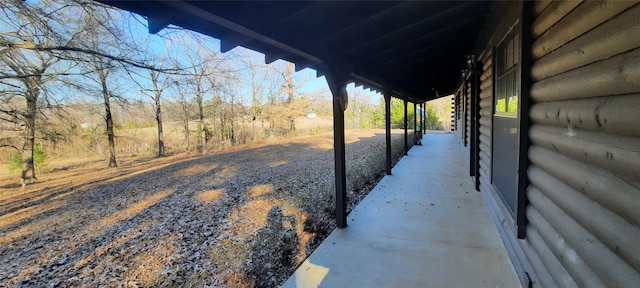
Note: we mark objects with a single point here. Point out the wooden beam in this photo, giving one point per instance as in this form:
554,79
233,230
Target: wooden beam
270,58
217,20
406,137
337,81
299,66
387,120
423,41
228,45
157,23
424,119
415,28
371,82
422,105
375,20
415,124
475,93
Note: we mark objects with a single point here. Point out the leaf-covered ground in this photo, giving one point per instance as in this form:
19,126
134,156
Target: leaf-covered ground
244,217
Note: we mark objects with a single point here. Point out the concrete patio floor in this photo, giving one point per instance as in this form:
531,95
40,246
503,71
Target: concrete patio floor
423,226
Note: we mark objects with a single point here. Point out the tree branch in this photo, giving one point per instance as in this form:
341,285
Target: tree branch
2,77
32,46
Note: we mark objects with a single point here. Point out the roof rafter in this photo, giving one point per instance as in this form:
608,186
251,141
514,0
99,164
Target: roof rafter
209,16
407,31
413,47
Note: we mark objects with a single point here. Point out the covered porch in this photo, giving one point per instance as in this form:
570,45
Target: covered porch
423,226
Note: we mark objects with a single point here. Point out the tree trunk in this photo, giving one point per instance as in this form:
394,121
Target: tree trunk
202,126
200,102
233,120
290,84
290,96
186,131
157,101
160,132
28,167
108,118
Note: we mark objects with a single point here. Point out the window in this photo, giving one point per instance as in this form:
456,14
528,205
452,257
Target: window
507,80
506,118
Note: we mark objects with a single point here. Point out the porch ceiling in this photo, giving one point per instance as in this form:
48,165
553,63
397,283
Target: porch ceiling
412,47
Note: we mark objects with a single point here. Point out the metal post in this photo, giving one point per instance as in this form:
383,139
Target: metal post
337,83
387,120
406,143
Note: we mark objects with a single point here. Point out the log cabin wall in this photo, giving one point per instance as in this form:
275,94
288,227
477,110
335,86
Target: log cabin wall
504,15
583,179
584,176
486,112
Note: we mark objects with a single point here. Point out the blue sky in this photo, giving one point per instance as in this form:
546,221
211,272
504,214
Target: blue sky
307,76
155,44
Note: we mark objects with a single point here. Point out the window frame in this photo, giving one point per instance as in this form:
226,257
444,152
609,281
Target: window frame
508,73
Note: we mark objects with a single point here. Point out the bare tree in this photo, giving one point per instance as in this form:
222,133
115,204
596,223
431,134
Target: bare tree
157,104
201,82
24,74
289,87
99,35
258,80
208,72
192,87
160,82
103,71
285,102
182,110
43,42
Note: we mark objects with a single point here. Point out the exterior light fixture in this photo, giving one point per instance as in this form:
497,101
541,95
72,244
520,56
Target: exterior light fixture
471,61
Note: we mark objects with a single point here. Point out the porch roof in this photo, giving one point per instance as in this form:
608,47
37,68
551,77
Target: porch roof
415,48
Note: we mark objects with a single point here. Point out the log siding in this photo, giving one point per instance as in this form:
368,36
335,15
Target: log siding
583,196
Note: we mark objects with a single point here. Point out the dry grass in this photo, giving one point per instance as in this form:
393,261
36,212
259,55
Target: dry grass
242,217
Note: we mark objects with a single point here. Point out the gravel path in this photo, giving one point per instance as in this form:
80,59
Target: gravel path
244,217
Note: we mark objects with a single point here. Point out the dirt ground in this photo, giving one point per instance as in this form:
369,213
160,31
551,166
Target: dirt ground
243,217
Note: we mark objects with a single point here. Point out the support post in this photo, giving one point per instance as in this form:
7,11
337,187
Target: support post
422,106
415,124
387,120
337,81
473,86
470,86
406,143
424,117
